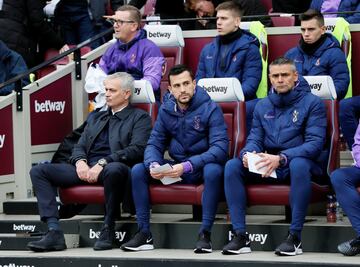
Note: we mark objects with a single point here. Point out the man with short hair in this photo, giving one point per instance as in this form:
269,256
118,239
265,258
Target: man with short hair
133,52
233,53
319,53
191,127
288,134
112,142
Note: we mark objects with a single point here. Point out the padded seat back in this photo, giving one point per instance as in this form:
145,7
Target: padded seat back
171,42
282,19
227,92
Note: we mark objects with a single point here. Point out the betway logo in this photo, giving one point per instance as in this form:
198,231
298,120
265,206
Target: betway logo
48,106
315,86
16,265
137,91
254,237
216,89
160,35
24,227
118,235
2,140
330,28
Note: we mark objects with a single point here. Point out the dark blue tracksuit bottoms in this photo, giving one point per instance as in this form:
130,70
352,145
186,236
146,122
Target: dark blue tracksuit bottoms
236,176
345,181
212,176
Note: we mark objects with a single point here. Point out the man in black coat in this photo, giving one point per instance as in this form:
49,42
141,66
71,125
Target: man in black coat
23,27
112,142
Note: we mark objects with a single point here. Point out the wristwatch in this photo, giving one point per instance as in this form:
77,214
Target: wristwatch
102,162
282,160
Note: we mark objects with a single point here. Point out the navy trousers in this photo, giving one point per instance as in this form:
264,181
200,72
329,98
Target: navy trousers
236,176
345,181
212,175
46,178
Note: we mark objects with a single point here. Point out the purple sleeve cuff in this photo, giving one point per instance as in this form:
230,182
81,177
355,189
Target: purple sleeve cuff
187,166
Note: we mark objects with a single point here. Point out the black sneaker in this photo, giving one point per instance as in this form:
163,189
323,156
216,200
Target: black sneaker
203,245
53,240
106,238
140,241
290,247
239,244
350,248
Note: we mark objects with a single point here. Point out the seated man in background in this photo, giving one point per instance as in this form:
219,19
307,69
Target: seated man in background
11,65
319,53
345,181
192,128
344,6
133,52
233,53
112,142
288,134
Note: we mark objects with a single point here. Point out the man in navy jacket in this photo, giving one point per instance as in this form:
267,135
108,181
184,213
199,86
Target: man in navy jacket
288,134
192,128
112,142
233,53
319,53
11,65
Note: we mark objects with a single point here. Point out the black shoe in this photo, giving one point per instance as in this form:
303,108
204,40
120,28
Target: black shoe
350,248
290,247
106,238
239,244
203,245
140,241
53,240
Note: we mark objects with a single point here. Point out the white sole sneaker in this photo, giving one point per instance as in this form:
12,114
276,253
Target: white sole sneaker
140,248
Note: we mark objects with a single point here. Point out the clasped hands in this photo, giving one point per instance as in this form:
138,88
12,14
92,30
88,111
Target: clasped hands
86,173
268,162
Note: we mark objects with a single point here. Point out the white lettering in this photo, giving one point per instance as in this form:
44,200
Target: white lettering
16,265
216,89
261,238
315,86
48,106
23,227
118,235
159,34
2,140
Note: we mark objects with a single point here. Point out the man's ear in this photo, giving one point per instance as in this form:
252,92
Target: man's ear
127,94
170,91
323,29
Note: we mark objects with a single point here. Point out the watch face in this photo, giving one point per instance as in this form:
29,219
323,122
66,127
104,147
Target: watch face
102,162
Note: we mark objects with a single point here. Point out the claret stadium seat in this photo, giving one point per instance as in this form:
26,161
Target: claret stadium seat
231,101
266,194
171,42
143,98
